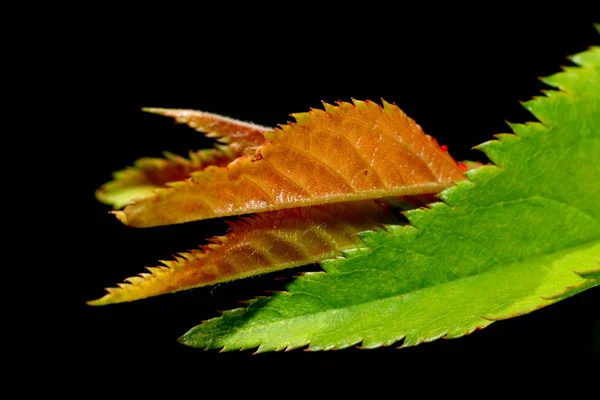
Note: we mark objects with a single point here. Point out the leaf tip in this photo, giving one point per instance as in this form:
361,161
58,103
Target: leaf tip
121,216
184,339
100,195
155,110
102,301
386,103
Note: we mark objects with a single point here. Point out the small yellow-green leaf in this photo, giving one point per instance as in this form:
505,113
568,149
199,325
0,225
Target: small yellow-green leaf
149,174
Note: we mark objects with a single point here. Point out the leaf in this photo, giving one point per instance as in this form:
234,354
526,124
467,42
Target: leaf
348,152
242,137
259,244
517,236
149,174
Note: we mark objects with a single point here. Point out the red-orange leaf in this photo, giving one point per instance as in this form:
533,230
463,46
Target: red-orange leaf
242,137
259,244
348,152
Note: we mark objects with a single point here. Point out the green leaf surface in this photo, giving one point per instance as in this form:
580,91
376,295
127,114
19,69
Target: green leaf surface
519,235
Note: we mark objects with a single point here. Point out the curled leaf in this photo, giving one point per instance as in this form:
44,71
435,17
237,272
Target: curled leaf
149,174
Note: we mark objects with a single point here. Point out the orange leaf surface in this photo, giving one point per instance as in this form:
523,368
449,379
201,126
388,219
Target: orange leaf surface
259,244
347,152
149,174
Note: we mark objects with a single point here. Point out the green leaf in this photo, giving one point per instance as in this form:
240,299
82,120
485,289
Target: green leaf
519,235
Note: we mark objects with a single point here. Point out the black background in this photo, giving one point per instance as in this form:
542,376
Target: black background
460,75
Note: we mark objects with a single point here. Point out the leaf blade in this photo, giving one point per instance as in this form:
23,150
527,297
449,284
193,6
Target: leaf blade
259,244
367,323
359,151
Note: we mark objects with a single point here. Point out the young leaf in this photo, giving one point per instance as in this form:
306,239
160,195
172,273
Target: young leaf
348,152
149,174
517,236
242,137
259,244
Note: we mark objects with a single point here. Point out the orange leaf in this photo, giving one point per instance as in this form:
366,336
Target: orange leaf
242,137
259,244
348,152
